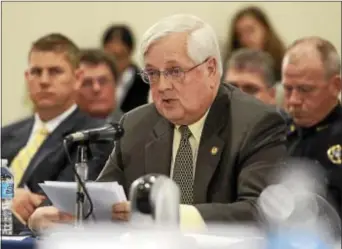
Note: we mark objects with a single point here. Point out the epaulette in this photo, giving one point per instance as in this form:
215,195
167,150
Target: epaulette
322,127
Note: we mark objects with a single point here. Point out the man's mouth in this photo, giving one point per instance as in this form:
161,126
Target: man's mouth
45,94
168,101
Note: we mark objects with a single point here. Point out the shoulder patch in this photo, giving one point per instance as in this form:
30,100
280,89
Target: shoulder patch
334,154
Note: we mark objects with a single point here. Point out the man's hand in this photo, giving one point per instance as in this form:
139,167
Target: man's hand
25,202
121,211
47,217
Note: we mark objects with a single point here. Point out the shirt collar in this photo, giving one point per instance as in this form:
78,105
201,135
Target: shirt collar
333,115
127,77
197,127
52,124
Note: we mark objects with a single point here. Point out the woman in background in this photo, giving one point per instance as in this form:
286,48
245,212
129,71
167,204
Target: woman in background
251,28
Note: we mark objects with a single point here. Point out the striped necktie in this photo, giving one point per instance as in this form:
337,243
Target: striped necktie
23,158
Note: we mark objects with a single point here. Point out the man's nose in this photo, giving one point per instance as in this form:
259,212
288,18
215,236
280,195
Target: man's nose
295,98
164,83
45,78
96,86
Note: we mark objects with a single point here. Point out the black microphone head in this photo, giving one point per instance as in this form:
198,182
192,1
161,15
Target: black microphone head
119,130
140,194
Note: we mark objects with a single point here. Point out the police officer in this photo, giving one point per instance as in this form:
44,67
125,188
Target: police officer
311,77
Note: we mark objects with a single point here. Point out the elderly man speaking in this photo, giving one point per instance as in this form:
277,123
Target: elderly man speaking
217,143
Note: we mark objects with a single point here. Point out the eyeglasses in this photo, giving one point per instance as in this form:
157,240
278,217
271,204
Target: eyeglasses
89,82
151,76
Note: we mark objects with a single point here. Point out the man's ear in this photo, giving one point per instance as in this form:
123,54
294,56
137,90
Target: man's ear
79,74
336,84
212,67
273,91
27,74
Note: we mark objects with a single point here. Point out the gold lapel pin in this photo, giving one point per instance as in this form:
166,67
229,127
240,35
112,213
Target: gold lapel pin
214,150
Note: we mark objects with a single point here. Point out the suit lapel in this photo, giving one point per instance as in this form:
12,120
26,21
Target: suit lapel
52,143
18,139
211,146
158,151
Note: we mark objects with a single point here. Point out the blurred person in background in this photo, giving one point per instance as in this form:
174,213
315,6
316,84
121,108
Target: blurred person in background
95,93
252,71
34,146
118,41
312,83
251,28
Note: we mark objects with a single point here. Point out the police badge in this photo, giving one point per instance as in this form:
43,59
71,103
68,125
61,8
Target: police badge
335,154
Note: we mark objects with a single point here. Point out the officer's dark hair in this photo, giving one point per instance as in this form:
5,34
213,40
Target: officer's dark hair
327,51
247,59
96,57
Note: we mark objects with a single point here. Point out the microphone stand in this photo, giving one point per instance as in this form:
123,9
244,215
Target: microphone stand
81,167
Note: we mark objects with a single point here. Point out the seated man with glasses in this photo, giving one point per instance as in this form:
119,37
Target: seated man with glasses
218,144
253,72
95,93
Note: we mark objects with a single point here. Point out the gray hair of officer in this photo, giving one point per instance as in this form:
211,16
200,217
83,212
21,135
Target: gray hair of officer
202,41
329,56
246,59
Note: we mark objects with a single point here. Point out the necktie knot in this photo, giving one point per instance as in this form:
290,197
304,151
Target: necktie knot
185,131
42,131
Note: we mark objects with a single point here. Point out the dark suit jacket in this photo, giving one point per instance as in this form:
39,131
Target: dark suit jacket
115,116
250,138
137,94
50,162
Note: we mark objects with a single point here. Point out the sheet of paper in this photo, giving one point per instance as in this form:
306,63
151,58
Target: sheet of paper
102,194
17,238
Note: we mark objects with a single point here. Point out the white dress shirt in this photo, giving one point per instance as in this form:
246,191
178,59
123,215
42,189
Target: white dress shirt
52,124
196,130
124,84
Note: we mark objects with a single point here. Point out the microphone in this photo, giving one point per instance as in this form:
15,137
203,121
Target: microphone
111,131
154,200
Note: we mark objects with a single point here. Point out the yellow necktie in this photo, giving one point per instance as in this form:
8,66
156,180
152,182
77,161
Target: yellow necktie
23,158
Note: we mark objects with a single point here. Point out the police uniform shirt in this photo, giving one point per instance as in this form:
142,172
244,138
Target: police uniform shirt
322,143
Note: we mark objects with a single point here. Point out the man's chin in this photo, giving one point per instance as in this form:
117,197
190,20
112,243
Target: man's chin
100,113
302,122
172,116
45,105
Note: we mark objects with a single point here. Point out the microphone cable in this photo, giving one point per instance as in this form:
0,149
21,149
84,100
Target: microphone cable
91,205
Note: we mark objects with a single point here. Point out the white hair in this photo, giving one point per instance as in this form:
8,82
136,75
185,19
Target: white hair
202,41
